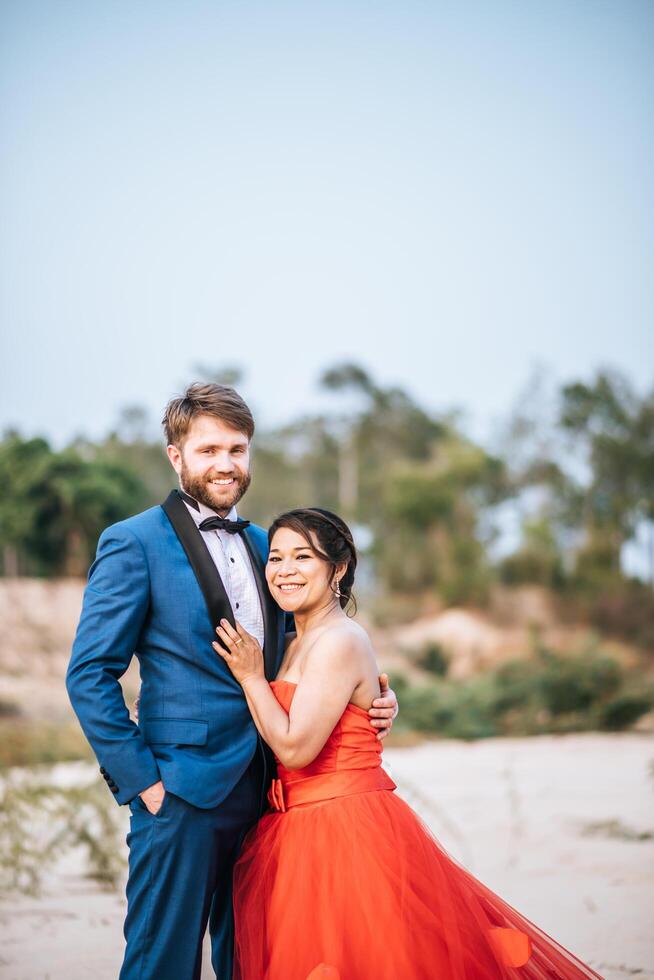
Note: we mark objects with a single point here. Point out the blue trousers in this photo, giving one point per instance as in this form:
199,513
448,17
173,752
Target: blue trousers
180,878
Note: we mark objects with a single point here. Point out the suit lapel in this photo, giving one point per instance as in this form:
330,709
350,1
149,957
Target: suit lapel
268,606
210,582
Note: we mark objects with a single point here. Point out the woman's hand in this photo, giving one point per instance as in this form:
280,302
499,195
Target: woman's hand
240,651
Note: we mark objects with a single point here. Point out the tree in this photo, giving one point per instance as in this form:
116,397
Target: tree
432,536
55,505
613,429
388,425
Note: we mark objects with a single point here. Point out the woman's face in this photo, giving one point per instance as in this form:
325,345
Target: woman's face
298,578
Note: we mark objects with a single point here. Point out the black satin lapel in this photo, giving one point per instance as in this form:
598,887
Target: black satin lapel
213,590
268,607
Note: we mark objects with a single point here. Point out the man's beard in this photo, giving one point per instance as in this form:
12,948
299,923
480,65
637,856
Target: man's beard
199,487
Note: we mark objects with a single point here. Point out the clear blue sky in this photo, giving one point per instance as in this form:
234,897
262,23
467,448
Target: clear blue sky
444,192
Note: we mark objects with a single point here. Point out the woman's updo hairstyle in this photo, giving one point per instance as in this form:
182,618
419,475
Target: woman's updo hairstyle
334,538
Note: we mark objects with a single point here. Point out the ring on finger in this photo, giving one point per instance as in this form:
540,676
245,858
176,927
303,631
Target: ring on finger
240,640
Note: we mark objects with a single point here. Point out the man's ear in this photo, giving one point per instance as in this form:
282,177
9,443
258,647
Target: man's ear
175,458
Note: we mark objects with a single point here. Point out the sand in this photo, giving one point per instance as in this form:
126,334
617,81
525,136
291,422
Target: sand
562,827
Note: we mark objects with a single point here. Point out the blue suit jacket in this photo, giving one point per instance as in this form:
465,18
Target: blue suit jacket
154,593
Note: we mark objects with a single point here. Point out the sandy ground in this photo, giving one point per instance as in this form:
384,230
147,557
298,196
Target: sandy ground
561,827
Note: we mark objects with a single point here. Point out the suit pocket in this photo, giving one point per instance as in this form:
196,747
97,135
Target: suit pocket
175,731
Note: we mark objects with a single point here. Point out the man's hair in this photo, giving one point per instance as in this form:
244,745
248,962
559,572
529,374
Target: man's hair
218,401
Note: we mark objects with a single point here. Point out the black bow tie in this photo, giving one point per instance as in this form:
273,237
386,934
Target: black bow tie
223,524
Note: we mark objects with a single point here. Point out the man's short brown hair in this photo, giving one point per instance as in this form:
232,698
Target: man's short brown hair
205,399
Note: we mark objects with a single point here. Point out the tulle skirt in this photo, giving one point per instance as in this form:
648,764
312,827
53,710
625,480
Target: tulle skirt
356,888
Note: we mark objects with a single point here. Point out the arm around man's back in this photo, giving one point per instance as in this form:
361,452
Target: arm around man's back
115,606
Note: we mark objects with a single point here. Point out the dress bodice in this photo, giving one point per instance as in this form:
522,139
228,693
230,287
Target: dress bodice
350,760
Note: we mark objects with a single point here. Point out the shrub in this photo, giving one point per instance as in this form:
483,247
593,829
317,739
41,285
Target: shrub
575,683
549,692
624,710
434,659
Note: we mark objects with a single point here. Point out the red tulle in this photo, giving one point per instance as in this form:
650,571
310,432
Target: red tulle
342,881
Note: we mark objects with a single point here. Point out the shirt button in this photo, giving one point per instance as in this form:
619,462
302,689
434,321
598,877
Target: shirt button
238,604
232,559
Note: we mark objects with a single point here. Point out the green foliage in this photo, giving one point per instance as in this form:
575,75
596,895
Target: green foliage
434,659
575,684
432,535
39,822
447,708
538,560
614,429
624,710
55,504
549,692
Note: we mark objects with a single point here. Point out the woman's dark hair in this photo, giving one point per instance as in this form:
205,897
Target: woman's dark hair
334,538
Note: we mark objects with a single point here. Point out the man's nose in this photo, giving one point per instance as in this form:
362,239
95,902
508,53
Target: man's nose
223,463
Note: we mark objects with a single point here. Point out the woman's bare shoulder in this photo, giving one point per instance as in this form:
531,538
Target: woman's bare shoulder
343,642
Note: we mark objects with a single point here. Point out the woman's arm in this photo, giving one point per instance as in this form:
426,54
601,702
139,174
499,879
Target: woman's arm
334,668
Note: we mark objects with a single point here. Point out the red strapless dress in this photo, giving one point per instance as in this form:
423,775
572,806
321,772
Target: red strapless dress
342,881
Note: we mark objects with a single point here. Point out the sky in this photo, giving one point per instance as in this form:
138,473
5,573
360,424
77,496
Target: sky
445,193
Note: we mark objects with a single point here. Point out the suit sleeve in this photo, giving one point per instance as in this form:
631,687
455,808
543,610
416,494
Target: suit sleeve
115,606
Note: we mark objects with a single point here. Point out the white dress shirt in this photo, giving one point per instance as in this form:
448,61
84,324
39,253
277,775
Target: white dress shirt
231,558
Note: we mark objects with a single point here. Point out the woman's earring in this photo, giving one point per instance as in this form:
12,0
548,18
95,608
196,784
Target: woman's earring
337,590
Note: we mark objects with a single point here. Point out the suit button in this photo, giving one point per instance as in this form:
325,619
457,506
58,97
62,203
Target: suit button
114,789
103,770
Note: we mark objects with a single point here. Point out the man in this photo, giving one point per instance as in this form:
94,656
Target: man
194,771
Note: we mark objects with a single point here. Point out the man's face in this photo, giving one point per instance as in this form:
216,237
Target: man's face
213,463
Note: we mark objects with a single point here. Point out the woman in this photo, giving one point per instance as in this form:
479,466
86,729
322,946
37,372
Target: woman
341,879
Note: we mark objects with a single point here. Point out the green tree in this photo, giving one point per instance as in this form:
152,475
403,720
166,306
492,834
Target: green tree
432,535
56,504
613,429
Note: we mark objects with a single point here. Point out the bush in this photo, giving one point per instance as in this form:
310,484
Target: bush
549,692
624,711
575,683
447,708
433,659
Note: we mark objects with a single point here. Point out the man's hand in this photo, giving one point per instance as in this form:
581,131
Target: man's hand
153,797
384,708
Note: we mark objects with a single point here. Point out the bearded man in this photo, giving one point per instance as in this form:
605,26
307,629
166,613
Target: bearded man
194,771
